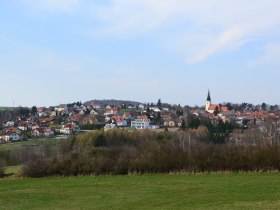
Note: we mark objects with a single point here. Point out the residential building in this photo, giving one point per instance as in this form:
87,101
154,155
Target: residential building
141,123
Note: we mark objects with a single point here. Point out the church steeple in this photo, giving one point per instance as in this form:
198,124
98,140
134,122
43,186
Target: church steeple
208,102
208,97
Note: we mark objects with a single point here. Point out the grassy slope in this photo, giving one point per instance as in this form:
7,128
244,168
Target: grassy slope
214,191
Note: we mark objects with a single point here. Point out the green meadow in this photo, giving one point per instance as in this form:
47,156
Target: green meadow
175,191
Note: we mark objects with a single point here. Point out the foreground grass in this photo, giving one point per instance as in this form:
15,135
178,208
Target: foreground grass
200,191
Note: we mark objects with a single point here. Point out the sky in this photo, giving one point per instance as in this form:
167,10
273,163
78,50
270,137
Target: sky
61,51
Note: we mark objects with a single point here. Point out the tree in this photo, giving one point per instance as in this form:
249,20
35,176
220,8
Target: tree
1,170
23,111
229,106
179,112
183,125
34,110
148,111
194,123
263,106
159,104
158,119
216,111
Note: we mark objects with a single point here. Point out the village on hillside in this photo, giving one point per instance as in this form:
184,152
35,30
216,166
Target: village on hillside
67,119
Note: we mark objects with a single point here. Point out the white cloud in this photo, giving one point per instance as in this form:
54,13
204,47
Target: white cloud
61,5
225,24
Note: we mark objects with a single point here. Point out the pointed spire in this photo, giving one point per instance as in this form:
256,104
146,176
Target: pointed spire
208,97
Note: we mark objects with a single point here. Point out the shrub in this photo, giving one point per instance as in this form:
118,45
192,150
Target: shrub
122,152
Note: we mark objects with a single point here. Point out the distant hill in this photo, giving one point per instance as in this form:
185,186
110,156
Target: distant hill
2,108
112,102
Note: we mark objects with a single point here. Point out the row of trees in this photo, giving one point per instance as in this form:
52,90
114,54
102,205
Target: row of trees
1,169
12,113
122,152
217,133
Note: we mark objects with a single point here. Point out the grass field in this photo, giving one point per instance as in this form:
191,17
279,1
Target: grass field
200,191
31,142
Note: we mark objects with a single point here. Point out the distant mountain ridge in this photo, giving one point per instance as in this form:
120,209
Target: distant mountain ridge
112,102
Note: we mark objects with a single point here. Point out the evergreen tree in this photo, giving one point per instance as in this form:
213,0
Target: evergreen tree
34,110
159,120
263,106
148,111
216,111
159,104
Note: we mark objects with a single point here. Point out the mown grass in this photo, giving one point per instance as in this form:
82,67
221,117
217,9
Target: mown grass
191,191
31,142
11,170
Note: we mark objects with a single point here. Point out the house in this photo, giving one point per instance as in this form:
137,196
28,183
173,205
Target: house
93,112
23,127
108,107
11,137
48,132
166,109
34,126
43,114
112,111
70,128
127,115
76,129
45,122
141,106
96,106
111,126
38,132
61,108
120,122
155,109
12,130
74,118
9,124
141,123
89,119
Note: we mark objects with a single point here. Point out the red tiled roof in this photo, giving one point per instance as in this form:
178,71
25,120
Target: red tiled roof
224,109
213,106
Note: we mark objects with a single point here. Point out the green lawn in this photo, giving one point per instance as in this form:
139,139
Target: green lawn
31,142
200,191
11,170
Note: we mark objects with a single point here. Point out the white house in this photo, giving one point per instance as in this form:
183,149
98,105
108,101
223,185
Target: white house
93,112
9,124
141,106
110,126
140,123
48,132
122,123
12,137
155,109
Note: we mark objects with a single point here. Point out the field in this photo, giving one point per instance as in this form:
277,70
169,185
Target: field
191,191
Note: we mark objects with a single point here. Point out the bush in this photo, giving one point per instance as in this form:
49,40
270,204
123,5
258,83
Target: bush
122,152
1,169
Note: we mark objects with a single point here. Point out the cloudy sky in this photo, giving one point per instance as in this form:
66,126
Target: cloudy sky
60,51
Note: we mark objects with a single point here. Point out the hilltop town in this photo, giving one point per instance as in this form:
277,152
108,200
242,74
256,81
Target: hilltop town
227,119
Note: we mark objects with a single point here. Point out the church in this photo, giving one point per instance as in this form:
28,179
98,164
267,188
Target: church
209,107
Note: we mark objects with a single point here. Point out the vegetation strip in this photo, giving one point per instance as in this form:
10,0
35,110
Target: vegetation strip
177,191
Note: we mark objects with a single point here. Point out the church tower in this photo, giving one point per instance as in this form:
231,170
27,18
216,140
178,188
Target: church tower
208,101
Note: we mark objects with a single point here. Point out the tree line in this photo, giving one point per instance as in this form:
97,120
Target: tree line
123,152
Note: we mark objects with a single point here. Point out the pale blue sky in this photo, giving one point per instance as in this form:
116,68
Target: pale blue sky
60,51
